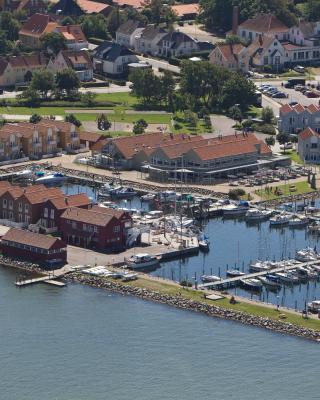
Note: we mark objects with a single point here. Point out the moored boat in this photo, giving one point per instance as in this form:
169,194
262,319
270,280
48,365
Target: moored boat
251,284
142,260
233,273
54,178
298,221
287,277
257,215
210,278
314,306
269,283
122,193
279,220
306,255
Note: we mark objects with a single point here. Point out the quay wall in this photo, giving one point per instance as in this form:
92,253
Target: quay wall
192,305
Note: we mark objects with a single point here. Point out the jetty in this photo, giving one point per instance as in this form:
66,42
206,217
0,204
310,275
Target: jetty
232,282
50,278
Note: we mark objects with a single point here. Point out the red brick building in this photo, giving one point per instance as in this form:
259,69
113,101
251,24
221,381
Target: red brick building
29,246
99,228
53,208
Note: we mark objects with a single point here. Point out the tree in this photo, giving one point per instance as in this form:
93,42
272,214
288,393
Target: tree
146,86
283,138
67,21
88,98
10,25
139,127
95,25
67,80
267,115
167,85
53,42
5,45
238,90
234,39
42,81
235,113
153,9
73,120
114,20
30,97
35,118
270,140
103,123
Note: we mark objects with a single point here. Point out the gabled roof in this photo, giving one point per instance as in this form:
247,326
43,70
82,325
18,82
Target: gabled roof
264,23
307,28
92,7
91,216
26,4
261,44
151,32
185,9
128,27
110,51
74,200
43,195
299,108
32,239
38,24
72,32
91,136
131,3
72,58
230,51
308,133
24,61
175,38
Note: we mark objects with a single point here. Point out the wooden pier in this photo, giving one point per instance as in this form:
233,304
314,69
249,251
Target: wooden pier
51,278
231,282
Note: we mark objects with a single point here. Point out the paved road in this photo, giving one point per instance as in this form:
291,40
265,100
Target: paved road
160,64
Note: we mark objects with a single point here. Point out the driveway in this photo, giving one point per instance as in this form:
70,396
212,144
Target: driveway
221,125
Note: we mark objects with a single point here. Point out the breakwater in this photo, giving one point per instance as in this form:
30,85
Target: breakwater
197,306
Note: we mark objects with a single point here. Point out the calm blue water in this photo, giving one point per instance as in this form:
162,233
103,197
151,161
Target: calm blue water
234,243
81,343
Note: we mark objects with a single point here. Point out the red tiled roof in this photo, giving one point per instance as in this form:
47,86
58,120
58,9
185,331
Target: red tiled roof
230,51
75,200
36,197
131,3
72,32
291,46
92,217
299,108
32,239
92,7
185,9
265,23
99,145
38,24
90,136
307,133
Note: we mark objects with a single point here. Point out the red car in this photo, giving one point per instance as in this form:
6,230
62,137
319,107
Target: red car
311,94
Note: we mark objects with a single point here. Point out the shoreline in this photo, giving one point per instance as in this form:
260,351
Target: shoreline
182,302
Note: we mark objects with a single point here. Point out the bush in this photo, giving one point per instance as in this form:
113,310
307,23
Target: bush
265,128
235,194
95,84
120,82
174,61
185,283
97,41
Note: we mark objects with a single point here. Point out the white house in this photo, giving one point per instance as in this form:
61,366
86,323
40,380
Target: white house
148,40
176,43
112,58
74,36
128,32
232,56
79,61
267,50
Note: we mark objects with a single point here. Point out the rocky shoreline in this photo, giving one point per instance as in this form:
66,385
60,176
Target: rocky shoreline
192,305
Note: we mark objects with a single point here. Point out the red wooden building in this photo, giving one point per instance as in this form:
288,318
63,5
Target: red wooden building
99,228
29,246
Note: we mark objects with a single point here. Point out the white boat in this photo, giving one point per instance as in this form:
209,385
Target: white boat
204,244
148,197
296,221
232,273
25,174
122,193
306,273
251,284
142,260
269,283
287,277
210,278
54,178
314,306
260,266
279,220
129,277
233,210
306,255
255,214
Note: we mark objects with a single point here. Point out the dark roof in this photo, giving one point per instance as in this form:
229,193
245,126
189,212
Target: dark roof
32,239
151,32
128,27
175,38
67,7
110,51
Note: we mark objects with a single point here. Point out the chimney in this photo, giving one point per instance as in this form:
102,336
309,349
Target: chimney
235,19
260,39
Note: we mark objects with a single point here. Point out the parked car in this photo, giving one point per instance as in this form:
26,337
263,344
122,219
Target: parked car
299,88
311,94
300,69
293,103
279,95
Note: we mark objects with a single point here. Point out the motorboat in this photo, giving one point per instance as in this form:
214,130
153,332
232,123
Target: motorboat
255,214
251,284
204,244
233,210
122,193
24,174
306,255
129,277
233,273
287,277
314,227
210,278
279,220
273,278
54,178
297,221
142,260
314,306
167,195
269,283
260,266
306,273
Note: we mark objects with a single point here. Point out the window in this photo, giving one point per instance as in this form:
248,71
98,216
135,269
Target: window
314,145
265,60
74,225
20,207
26,208
45,212
84,227
52,214
116,229
4,203
95,229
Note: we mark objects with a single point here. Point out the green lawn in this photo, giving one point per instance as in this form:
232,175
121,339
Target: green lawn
253,309
294,156
301,188
126,98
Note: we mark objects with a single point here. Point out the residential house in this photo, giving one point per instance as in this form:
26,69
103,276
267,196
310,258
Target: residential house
33,247
18,70
147,42
309,146
79,61
76,8
10,145
53,208
74,36
296,118
186,11
111,58
30,7
267,51
135,4
175,44
88,139
100,228
127,33
265,25
232,56
35,27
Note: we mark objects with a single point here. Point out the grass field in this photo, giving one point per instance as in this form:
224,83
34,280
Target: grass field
247,307
294,156
301,188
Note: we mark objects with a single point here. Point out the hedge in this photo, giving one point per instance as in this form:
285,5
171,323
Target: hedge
94,84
